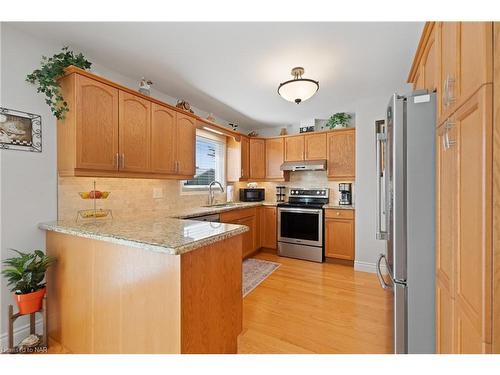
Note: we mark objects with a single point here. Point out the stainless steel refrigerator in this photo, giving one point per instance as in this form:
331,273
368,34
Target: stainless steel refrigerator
405,148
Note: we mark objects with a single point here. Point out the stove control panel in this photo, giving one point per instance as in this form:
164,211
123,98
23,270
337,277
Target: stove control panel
311,193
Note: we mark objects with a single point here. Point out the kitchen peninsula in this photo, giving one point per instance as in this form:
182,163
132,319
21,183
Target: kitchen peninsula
155,285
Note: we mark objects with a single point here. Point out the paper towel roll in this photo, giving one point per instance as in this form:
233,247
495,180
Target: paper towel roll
229,193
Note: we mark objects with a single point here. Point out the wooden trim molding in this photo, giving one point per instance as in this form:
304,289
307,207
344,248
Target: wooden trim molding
426,33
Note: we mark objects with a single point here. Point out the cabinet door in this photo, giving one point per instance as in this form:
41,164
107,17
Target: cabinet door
294,148
341,154
268,227
134,133
96,125
473,263
257,158
245,158
429,64
274,157
448,42
339,238
447,204
476,57
163,141
419,83
186,141
315,146
444,319
249,238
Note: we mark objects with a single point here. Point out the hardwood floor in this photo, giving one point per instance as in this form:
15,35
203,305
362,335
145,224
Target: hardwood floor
306,307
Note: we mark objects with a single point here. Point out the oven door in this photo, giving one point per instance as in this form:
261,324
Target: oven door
302,226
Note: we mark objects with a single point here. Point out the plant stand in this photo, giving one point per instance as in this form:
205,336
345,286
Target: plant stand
43,345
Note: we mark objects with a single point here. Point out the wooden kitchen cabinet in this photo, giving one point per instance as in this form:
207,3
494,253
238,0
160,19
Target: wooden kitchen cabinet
315,146
341,145
163,136
238,159
112,131
248,217
274,158
294,148
465,64
134,133
94,115
245,158
445,319
268,227
186,144
339,234
257,158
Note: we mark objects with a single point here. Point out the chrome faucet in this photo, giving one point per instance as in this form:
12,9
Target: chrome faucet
211,193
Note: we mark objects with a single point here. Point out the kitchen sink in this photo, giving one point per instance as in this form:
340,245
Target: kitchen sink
232,204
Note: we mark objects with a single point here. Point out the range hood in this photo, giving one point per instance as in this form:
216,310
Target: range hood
307,165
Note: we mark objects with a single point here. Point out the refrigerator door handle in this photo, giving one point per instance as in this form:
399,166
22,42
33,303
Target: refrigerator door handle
381,139
381,279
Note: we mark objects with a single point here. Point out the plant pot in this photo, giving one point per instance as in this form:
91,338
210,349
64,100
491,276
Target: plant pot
30,302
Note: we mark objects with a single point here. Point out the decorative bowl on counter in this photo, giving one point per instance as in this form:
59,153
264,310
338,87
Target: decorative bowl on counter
94,194
94,214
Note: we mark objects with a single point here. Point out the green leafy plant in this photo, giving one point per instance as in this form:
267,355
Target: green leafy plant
25,273
339,120
52,68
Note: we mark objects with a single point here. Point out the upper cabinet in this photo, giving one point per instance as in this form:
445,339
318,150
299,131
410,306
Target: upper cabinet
134,133
94,119
257,158
341,145
294,148
275,148
315,146
238,159
110,131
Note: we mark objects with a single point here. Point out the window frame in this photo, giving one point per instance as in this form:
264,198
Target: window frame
203,189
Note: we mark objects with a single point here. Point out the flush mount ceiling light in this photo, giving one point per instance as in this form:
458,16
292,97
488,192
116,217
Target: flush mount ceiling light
298,89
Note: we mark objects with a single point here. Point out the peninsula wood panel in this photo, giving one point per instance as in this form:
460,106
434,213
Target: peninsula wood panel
274,157
257,158
315,146
213,323
341,154
294,148
186,144
134,133
163,139
96,114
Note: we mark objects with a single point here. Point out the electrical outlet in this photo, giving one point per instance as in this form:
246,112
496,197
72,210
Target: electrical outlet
157,193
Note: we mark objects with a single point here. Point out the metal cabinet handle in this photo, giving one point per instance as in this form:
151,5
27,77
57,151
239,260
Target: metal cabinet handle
116,161
122,161
381,138
381,280
447,143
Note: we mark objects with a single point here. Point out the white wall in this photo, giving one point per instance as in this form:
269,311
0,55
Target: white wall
367,112
28,181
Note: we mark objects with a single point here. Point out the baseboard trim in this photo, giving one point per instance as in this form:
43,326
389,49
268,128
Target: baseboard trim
20,333
368,267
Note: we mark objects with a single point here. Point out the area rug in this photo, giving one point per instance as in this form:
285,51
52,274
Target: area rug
256,271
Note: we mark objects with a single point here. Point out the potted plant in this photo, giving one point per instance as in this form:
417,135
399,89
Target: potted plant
52,68
339,120
25,274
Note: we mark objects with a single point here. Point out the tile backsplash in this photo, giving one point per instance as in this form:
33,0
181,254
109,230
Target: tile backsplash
129,197
305,179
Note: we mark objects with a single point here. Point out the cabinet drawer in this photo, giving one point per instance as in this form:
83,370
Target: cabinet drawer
339,214
237,214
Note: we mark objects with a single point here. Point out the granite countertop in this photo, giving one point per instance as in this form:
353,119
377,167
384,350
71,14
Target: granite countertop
338,207
166,235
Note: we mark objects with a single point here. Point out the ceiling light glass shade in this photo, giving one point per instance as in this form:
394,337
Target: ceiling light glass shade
298,89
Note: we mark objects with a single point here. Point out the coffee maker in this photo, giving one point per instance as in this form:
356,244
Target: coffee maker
345,194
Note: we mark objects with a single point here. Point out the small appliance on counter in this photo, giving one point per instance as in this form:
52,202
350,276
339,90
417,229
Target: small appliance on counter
252,194
345,194
280,194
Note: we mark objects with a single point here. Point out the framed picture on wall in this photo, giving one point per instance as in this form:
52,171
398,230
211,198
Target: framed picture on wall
20,130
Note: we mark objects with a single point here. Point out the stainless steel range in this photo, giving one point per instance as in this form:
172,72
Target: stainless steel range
300,224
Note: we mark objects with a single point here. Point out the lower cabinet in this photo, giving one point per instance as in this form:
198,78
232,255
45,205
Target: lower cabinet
268,235
339,234
444,319
248,217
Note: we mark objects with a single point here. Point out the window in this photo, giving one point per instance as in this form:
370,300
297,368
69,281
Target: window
210,151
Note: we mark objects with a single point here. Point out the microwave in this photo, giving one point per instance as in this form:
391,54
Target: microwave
252,194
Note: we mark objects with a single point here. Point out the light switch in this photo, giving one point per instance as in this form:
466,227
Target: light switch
157,193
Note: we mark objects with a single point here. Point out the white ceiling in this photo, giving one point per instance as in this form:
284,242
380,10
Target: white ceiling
234,69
